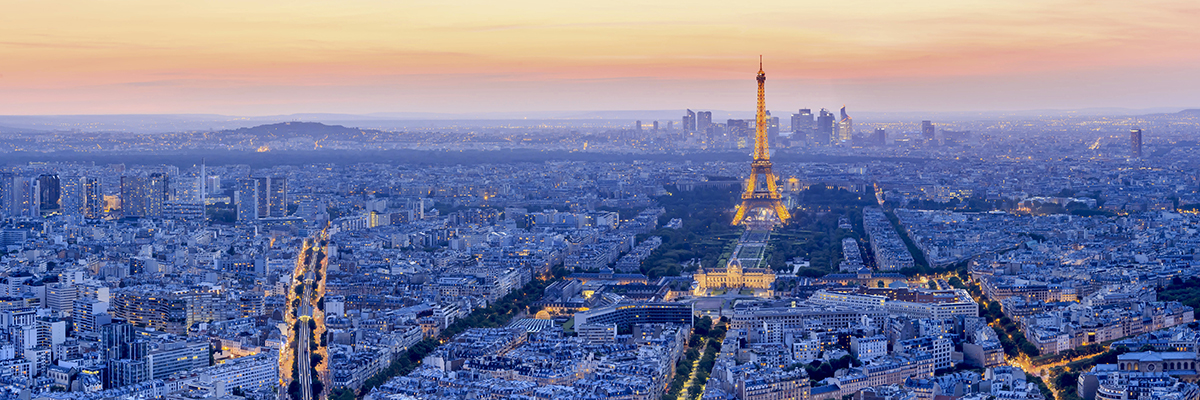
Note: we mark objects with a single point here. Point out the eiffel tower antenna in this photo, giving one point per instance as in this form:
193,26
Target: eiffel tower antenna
761,192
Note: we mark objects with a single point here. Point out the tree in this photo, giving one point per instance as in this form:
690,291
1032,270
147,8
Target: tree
342,394
703,325
1030,349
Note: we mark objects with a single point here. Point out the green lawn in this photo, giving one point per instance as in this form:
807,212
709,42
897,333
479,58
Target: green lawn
569,326
751,252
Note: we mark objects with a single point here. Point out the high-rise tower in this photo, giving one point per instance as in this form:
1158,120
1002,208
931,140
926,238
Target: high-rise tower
802,122
927,130
133,196
1135,142
825,123
203,178
703,121
845,127
49,193
760,200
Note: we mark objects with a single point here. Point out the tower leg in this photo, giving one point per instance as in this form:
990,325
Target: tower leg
740,215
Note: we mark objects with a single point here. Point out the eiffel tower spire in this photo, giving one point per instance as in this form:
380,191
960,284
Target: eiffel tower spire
761,201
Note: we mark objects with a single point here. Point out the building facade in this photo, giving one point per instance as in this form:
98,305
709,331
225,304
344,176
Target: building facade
734,276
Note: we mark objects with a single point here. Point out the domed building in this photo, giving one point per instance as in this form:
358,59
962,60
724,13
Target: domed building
734,277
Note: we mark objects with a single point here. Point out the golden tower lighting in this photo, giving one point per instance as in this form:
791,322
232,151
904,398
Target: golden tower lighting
760,201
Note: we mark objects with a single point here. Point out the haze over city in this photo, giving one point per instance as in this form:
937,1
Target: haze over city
614,200
358,57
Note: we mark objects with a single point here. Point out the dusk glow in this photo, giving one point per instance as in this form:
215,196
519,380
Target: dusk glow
601,200
272,57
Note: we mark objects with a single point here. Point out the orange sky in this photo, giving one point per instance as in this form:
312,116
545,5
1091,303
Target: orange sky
252,57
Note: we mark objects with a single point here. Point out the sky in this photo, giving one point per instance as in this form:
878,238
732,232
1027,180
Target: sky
255,57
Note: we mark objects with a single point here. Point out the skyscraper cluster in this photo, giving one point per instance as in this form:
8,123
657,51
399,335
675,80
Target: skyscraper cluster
144,196
825,128
26,196
822,128
698,126
261,197
93,194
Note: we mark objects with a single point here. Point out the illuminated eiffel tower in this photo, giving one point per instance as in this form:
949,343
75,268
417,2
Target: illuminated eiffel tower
760,202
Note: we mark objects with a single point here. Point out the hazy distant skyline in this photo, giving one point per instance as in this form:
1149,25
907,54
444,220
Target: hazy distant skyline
282,57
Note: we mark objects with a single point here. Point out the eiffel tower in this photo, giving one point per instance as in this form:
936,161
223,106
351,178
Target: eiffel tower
760,202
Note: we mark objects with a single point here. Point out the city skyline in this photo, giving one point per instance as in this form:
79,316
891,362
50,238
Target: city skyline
367,200
363,57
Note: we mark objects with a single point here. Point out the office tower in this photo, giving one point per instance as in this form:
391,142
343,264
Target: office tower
49,193
737,127
824,134
264,197
689,121
637,125
24,198
802,122
880,137
143,197
272,197
245,197
761,201
927,131
157,192
212,184
93,198
133,196
845,126
72,195
655,128
670,126
7,192
32,201
703,121
203,178
1135,142
187,189
19,196
34,189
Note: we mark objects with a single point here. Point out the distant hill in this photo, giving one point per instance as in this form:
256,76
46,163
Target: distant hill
285,130
15,131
